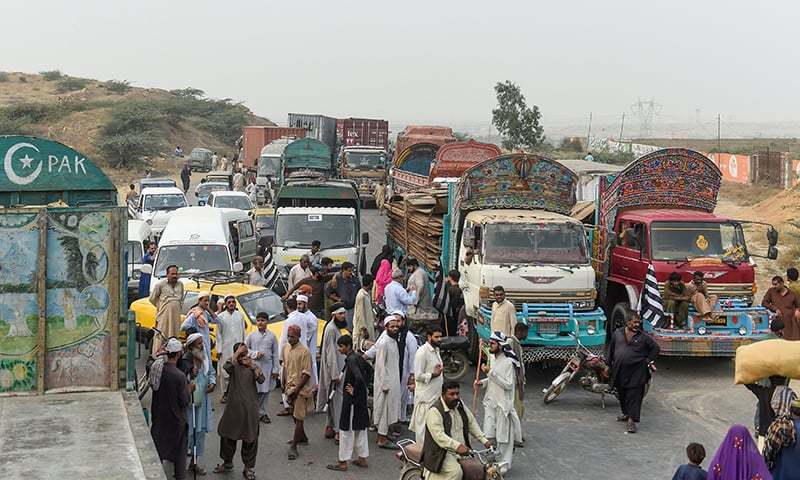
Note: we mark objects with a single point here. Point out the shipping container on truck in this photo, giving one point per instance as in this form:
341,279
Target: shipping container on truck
414,134
256,138
365,132
318,127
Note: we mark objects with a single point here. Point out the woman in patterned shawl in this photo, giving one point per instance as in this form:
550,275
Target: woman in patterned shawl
737,458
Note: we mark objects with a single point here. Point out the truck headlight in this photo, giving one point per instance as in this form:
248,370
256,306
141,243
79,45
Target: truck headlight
742,331
590,330
701,331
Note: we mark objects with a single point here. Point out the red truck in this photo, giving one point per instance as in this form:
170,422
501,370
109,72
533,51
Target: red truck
414,134
659,212
423,163
366,132
256,138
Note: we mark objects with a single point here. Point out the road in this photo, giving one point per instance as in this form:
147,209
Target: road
691,400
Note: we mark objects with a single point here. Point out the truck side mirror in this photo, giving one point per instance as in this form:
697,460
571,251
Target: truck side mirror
772,236
365,238
772,252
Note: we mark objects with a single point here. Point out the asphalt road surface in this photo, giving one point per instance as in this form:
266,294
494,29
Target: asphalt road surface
691,400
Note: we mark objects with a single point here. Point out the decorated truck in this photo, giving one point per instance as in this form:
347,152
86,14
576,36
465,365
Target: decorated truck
659,212
425,163
364,165
506,222
304,158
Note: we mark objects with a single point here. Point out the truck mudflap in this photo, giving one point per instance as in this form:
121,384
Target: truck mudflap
549,325
736,326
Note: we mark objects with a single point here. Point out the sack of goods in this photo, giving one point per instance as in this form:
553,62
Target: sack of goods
761,360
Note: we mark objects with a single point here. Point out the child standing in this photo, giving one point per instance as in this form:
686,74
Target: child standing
692,470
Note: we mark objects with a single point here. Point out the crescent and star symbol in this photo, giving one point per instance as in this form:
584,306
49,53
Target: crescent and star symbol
26,161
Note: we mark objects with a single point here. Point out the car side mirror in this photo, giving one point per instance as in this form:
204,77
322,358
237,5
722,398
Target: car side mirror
772,252
146,268
238,267
772,236
365,238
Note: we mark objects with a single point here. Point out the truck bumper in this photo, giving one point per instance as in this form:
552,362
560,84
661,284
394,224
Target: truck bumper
538,348
680,344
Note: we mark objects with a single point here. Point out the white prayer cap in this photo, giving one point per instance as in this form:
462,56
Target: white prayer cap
399,312
220,301
302,298
174,345
204,294
339,310
397,273
388,319
193,338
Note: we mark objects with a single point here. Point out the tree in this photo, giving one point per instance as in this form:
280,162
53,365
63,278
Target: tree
130,134
515,121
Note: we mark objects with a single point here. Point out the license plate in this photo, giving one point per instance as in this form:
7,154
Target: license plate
549,327
719,321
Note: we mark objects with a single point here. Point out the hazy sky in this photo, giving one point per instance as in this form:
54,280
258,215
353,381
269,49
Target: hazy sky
429,61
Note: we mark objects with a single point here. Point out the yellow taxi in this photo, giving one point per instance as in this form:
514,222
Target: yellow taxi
265,223
250,300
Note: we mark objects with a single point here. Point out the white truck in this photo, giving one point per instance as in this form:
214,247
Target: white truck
156,205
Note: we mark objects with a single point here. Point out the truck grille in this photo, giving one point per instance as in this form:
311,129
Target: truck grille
582,301
742,291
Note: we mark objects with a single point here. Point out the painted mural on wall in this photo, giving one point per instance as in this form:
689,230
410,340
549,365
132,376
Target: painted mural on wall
78,300
19,311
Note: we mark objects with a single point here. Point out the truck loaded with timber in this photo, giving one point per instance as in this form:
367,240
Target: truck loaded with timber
505,222
415,152
657,215
424,163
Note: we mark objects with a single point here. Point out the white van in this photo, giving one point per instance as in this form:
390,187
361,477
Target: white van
138,233
156,205
203,239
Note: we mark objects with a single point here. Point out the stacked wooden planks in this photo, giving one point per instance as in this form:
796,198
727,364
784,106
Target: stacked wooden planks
414,222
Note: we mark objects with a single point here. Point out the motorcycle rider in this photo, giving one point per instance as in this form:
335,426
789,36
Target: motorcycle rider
448,427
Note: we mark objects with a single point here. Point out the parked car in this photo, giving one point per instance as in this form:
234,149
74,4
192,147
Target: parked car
220,176
228,199
265,224
250,299
204,189
156,205
156,182
139,232
200,159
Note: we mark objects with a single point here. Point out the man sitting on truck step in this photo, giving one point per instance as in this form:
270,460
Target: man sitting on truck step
504,315
702,301
676,299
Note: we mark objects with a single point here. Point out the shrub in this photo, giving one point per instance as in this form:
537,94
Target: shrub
188,92
51,75
617,158
23,79
130,134
117,86
71,84
4,77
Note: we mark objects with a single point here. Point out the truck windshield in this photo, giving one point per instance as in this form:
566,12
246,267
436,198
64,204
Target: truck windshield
192,258
682,240
546,243
269,166
364,160
261,301
238,201
300,229
169,201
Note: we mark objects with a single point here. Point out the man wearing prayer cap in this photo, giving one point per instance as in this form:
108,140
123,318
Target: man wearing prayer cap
329,394
197,322
311,333
387,392
231,329
297,384
396,297
196,365
501,422
169,404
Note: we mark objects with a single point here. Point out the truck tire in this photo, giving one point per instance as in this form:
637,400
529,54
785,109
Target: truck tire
619,315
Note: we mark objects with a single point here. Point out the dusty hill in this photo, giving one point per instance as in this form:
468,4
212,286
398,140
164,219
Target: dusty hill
121,127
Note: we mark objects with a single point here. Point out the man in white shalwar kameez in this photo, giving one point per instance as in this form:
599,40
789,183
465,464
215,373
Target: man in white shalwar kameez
263,347
500,421
311,334
363,317
418,282
407,350
428,377
386,384
330,372
231,330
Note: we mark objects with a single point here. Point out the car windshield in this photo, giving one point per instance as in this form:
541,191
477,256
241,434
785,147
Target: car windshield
260,301
265,221
682,240
200,154
296,230
365,160
206,188
269,166
166,201
541,243
134,252
231,201
192,258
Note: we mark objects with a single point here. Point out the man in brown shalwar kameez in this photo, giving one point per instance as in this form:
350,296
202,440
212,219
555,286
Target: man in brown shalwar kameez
167,296
240,419
297,385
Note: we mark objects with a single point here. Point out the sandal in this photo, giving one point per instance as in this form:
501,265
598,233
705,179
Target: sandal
337,467
284,413
249,474
361,464
292,454
223,468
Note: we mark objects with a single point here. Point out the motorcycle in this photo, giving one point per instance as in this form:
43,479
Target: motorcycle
594,371
453,350
410,454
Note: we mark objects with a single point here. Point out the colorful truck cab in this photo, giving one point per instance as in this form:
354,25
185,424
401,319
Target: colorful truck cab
659,212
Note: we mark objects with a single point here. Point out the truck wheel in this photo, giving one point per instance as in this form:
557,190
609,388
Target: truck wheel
619,315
